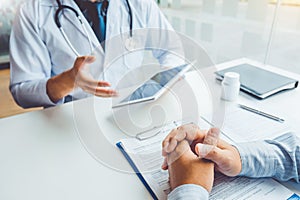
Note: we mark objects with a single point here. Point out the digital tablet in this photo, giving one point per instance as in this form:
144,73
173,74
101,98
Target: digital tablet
153,88
259,82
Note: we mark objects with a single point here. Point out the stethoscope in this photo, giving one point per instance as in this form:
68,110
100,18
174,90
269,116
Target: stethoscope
130,44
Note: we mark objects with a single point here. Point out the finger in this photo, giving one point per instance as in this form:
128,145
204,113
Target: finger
166,142
212,137
183,148
165,145
89,59
82,60
79,62
171,135
223,145
193,132
210,141
188,132
171,146
105,92
103,84
87,80
100,91
179,134
212,153
164,166
203,149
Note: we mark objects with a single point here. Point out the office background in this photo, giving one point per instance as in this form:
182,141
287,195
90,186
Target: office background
264,30
7,13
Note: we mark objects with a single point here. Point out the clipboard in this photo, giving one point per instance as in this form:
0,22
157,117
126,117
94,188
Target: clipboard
153,135
135,169
132,148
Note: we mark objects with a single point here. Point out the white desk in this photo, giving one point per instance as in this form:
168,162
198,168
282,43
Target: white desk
59,153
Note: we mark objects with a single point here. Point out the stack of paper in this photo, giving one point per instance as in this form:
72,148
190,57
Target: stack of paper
146,159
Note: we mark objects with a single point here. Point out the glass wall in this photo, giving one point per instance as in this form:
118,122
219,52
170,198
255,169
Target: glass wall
285,45
227,29
264,30
7,13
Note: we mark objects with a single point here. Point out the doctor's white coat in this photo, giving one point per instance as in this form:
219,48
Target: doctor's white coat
38,50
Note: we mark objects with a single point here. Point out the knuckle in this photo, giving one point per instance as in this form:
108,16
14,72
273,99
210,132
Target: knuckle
164,143
178,151
213,153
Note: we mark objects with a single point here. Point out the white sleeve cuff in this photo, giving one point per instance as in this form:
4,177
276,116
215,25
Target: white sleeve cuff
188,191
44,96
33,94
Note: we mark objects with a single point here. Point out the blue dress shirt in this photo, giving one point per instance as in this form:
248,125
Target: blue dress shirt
278,158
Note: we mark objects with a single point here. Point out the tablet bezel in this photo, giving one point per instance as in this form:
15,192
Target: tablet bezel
159,92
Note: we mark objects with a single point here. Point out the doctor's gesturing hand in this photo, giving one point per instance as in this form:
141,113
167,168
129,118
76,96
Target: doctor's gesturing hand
225,156
78,77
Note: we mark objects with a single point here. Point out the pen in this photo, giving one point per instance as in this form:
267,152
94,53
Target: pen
262,113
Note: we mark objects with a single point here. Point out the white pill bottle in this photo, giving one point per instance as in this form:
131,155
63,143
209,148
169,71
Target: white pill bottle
230,86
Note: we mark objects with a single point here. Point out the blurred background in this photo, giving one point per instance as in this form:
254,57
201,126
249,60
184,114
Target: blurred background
264,30
7,13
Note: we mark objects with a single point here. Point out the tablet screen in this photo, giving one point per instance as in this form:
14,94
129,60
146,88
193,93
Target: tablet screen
155,84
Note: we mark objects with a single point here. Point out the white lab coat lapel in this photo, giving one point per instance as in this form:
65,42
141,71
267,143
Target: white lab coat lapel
72,19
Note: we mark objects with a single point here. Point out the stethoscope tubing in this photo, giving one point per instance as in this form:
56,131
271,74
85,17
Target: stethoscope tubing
130,18
61,7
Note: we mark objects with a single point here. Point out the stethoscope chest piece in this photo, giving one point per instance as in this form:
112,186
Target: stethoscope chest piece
130,44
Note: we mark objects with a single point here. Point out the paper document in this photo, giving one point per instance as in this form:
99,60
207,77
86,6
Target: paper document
146,159
146,155
243,126
247,188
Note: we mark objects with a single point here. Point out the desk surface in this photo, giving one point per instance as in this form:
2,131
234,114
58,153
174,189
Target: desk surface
60,153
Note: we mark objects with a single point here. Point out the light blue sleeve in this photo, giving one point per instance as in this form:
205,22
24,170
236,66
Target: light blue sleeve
188,191
278,158
29,59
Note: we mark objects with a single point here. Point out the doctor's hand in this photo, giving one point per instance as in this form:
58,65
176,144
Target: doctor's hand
85,81
79,76
225,156
186,168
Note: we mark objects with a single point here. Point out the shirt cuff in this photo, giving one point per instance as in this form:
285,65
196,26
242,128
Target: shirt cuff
44,96
257,159
188,191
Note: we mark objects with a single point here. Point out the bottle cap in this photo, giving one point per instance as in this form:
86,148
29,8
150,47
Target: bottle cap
231,78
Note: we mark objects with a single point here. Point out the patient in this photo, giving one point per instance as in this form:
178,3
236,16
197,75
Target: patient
192,177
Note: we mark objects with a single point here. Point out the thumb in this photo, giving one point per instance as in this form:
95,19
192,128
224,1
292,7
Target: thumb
203,149
209,152
82,60
212,137
89,59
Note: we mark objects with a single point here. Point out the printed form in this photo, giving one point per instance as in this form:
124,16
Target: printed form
147,158
243,126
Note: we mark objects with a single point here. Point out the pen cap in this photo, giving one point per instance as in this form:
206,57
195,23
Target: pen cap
230,86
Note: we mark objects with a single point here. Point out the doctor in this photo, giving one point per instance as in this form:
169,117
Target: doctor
50,48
